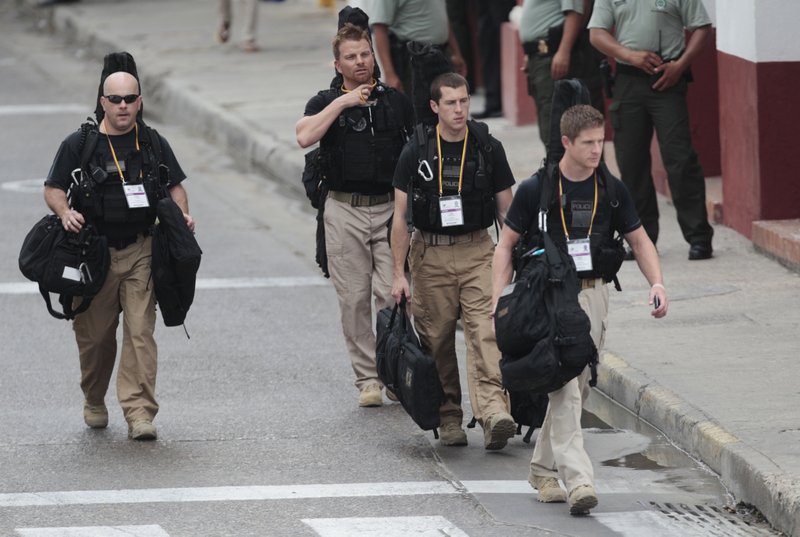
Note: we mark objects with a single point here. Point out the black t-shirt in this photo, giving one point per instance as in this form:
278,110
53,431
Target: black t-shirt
68,159
523,215
501,177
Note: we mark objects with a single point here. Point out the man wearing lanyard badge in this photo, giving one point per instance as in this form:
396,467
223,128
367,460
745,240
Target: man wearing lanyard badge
583,214
454,180
118,187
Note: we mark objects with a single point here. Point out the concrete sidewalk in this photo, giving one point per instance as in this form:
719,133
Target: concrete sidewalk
717,376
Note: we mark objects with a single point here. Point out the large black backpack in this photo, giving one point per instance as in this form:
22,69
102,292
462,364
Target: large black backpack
541,355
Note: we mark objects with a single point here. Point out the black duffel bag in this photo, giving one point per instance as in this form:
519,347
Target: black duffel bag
408,369
72,265
176,259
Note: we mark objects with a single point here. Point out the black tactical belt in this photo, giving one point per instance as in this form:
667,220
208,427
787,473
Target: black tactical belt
630,70
361,200
437,239
121,244
537,47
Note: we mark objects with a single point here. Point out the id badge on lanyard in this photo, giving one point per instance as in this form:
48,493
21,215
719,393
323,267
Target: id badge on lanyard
136,196
451,210
581,253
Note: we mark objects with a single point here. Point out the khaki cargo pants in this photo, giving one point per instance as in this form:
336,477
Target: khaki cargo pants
128,289
453,280
559,450
360,265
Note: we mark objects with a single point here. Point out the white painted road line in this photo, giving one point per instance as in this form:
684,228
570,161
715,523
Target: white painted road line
31,288
406,526
225,494
94,531
41,109
250,283
27,186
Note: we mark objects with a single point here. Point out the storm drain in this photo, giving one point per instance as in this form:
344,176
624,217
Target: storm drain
710,520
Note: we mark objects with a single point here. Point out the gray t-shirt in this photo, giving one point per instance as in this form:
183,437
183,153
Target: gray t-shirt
413,20
646,24
538,16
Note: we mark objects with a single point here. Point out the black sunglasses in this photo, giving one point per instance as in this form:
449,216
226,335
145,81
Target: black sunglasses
116,99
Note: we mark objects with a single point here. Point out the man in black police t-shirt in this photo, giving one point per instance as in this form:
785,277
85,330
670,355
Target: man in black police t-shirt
122,208
585,211
456,186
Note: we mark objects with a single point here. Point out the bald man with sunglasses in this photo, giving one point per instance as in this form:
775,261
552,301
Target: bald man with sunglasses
115,188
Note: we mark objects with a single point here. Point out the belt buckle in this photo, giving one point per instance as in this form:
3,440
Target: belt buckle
542,47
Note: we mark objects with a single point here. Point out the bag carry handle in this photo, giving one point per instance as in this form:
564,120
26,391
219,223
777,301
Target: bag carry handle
402,307
66,301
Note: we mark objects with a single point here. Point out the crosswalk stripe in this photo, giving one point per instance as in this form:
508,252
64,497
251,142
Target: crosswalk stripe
221,494
31,288
289,492
406,526
94,531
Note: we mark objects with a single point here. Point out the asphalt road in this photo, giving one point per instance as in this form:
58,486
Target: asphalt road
259,431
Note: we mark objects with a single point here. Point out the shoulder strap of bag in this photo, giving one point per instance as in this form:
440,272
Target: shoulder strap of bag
89,137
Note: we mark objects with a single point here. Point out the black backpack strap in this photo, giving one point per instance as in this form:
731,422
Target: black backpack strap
546,183
420,131
608,182
89,136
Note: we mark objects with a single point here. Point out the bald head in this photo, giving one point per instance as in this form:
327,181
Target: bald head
126,83
121,102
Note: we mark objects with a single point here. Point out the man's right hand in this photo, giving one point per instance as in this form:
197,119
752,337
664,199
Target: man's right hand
72,220
644,60
400,288
356,97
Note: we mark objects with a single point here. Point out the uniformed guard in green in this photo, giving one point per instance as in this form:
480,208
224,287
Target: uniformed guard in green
653,72
556,45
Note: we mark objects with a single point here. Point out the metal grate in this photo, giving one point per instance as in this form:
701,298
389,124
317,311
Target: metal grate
711,520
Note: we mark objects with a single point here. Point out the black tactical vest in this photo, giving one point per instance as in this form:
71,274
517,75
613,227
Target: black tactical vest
99,195
370,139
606,250
477,192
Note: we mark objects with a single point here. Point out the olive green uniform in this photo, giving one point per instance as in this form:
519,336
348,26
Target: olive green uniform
538,17
637,109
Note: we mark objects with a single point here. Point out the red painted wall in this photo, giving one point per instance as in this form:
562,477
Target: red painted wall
739,140
778,113
757,131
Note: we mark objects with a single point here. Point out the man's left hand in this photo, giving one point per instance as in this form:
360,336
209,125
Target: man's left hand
189,221
559,66
672,73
